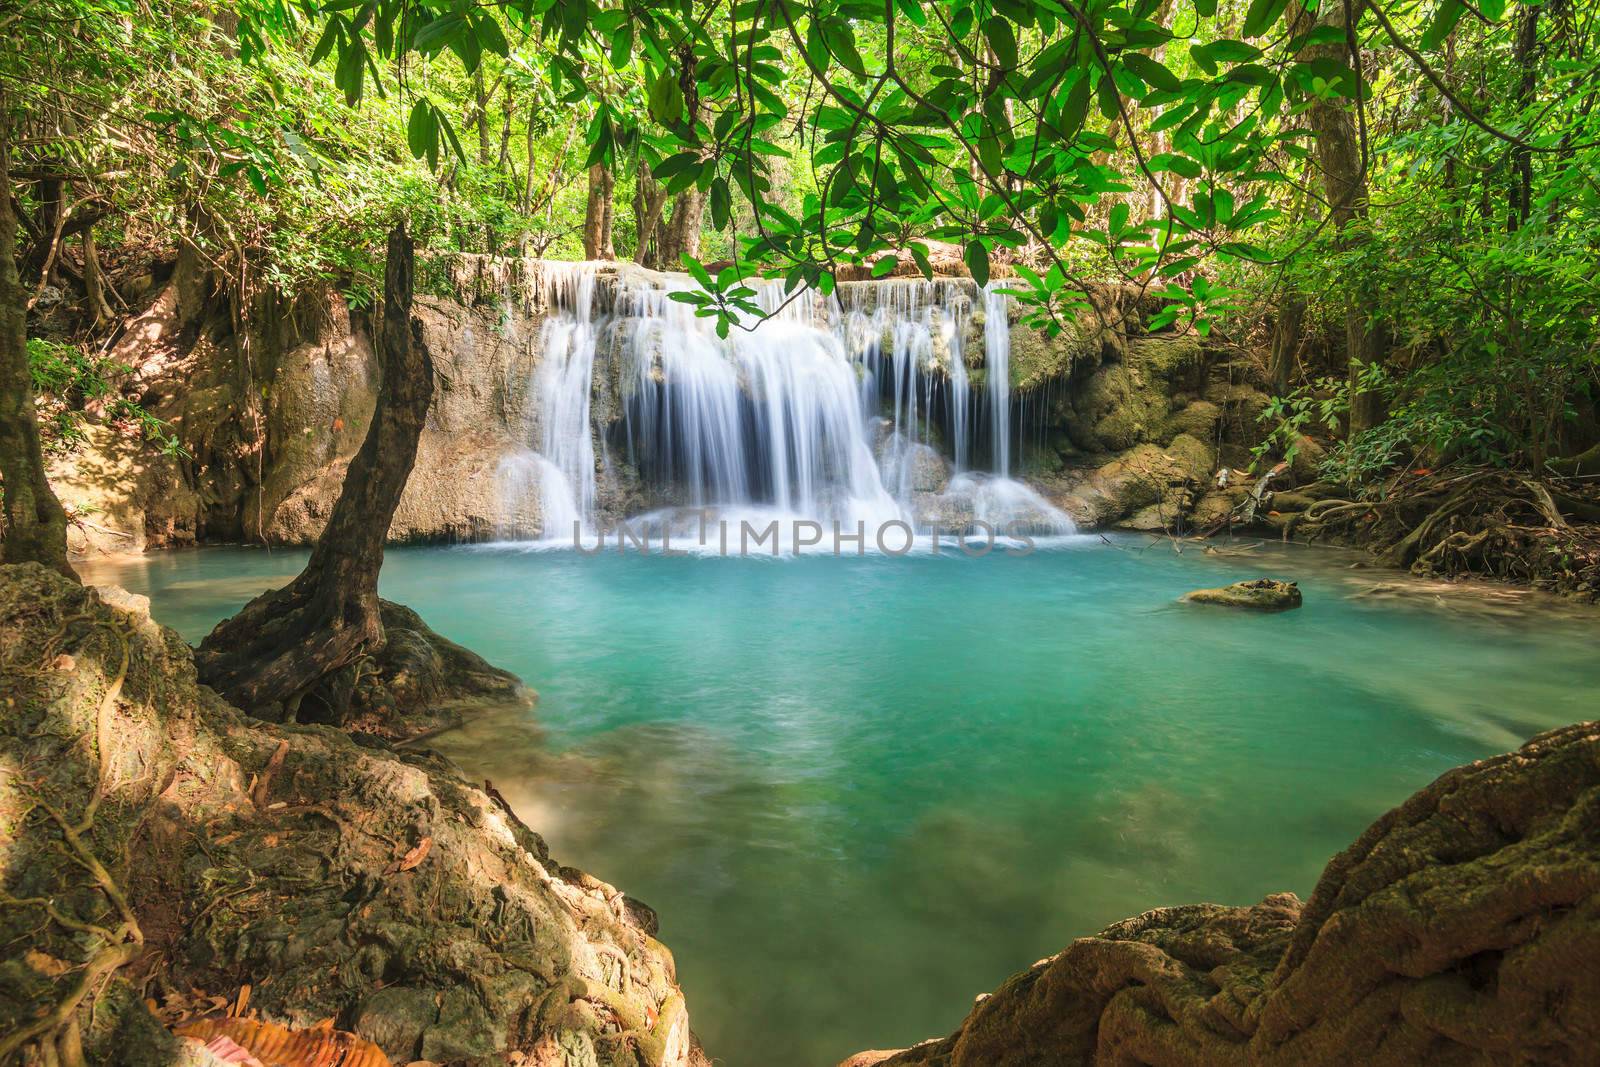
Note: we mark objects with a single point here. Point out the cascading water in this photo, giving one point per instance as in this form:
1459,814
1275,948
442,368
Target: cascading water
997,368
830,410
562,470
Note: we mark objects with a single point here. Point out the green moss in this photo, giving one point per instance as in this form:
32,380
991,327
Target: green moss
1194,456
1037,358
1258,594
1174,361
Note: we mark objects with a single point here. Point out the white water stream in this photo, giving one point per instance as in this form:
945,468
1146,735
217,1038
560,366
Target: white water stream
855,409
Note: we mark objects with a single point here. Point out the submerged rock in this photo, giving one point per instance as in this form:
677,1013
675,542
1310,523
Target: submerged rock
152,837
1460,928
1260,594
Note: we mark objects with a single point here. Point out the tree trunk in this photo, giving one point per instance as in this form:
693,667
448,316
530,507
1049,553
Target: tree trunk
1344,180
1286,336
597,214
649,199
52,215
683,230
297,640
1520,199
35,522
480,98
94,282
682,235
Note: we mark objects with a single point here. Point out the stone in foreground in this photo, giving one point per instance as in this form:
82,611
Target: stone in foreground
336,878
1462,927
1259,594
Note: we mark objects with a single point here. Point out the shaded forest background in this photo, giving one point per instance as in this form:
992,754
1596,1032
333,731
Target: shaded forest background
1391,207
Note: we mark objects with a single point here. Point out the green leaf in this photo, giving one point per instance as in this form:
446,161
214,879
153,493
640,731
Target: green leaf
1076,108
997,31
422,131
436,34
977,259
1262,14
1118,220
1444,20
721,203
1106,91
674,165
919,252
666,99
841,42
1151,73
333,34
698,272
490,37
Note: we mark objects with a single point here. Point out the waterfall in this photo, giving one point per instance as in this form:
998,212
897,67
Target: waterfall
997,364
839,409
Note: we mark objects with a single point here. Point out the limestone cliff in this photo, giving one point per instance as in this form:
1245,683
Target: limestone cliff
270,401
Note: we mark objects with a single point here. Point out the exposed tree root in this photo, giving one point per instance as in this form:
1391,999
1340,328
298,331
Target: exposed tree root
57,1031
1543,532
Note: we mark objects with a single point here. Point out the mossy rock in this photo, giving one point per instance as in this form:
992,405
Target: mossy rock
1215,507
1176,362
1116,409
1308,458
1036,358
1257,594
1242,406
1197,419
1194,456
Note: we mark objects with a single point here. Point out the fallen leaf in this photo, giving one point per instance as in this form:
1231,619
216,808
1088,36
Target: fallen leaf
318,1046
417,855
228,1050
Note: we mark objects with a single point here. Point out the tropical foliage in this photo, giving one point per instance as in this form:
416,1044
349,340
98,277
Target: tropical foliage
1400,195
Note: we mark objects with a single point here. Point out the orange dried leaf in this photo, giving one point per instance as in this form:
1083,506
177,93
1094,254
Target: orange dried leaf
318,1046
416,855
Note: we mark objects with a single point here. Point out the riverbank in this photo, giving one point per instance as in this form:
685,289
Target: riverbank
296,874
160,849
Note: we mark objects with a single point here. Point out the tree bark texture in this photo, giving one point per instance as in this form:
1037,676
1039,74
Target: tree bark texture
301,639
35,522
1344,182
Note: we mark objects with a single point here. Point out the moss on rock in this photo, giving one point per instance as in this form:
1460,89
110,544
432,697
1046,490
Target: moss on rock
1174,362
1197,419
340,879
1258,594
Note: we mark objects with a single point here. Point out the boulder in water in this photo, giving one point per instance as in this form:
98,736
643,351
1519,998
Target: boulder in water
1259,594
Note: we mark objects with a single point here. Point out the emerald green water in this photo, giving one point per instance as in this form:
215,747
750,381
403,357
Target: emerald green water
861,791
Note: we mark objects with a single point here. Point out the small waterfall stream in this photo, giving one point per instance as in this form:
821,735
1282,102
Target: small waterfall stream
851,409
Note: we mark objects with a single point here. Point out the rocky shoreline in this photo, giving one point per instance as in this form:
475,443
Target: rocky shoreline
156,842
1462,927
